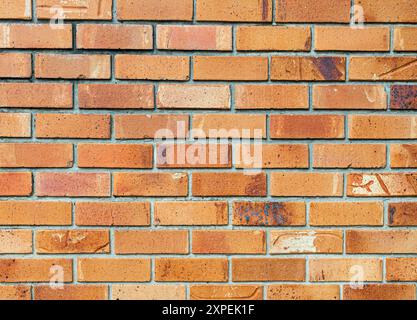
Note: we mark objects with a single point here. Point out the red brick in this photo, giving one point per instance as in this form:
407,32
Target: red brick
402,214
75,10
404,156
388,10
16,125
403,97
303,292
15,65
15,292
36,95
15,183
148,292
150,184
225,292
15,241
71,292
380,292
16,9
405,39
75,184
181,10
401,269
207,38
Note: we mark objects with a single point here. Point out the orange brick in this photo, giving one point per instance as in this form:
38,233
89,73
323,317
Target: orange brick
272,38
17,125
151,126
350,97
75,9
401,269
388,10
16,9
310,241
381,185
107,96
404,156
112,213
228,242
190,213
15,241
191,270
207,38
108,36
346,214
15,293
34,270
226,292
15,65
35,213
271,97
351,39
349,155
114,270
150,184
151,242
381,292
402,214
74,66
312,11
286,184
303,292
72,241
35,155
228,184
229,126
74,184
290,68
230,68
193,97
381,241
307,127
382,127
273,156
36,95
148,292
15,183
405,39
343,269
403,97
181,10
152,67
35,36
115,155
81,126
268,269
194,155
383,68
269,214
234,10
71,292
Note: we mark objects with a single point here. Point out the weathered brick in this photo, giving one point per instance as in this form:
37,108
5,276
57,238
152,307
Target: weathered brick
15,292
115,155
225,292
271,97
402,214
71,292
346,214
228,184
403,155
307,127
79,126
311,241
403,97
380,292
181,10
272,38
153,67
74,9
35,155
74,184
151,242
16,9
230,68
112,214
306,184
15,241
349,156
291,68
405,39
269,214
401,269
207,38
107,36
15,183
190,213
383,68
72,241
36,95
234,10
16,125
388,10
303,292
191,270
148,292
114,270
15,65
150,184
228,242
107,96
350,97
268,269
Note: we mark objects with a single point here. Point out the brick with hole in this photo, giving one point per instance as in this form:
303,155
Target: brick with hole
16,9
226,292
380,292
15,292
148,292
71,292
163,10
303,292
15,184
15,125
402,214
15,65
74,10
15,241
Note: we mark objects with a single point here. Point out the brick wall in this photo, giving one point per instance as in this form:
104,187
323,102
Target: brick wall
89,198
